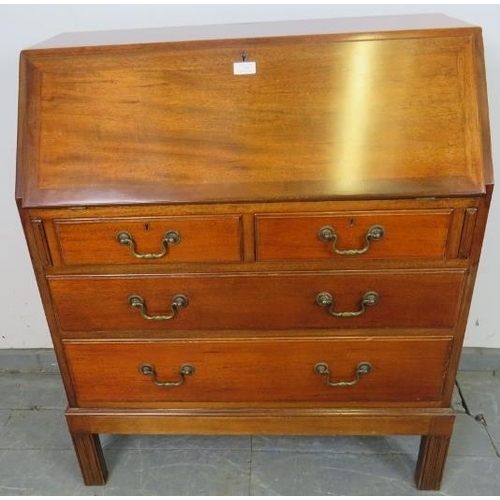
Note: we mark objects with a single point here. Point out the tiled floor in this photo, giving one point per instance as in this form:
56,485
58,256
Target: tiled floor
36,456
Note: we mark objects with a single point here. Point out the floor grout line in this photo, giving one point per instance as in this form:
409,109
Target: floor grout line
462,398
480,418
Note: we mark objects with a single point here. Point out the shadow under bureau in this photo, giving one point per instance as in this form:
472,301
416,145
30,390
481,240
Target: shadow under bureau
262,228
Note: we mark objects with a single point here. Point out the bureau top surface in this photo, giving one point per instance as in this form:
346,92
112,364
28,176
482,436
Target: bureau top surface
312,110
346,25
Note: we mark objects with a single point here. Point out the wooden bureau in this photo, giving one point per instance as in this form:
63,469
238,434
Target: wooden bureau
257,229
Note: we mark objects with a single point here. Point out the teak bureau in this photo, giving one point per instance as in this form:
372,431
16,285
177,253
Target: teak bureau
265,228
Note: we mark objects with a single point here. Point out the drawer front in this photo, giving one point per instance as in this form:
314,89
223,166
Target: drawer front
369,370
282,301
369,235
157,240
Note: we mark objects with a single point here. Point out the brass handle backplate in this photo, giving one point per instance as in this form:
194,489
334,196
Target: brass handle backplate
171,237
328,233
322,368
325,299
184,371
179,301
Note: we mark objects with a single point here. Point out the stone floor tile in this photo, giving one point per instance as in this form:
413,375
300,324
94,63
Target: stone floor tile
494,433
31,390
137,472
40,472
312,474
338,444
35,429
471,476
4,416
481,392
177,472
28,360
470,438
167,442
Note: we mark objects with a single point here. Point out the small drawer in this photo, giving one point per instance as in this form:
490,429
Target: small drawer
157,240
284,301
348,371
356,235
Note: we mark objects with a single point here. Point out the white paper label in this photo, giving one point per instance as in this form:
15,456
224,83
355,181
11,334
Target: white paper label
244,68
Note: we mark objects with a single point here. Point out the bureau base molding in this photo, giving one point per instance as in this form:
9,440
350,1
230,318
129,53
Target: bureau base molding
435,427
302,421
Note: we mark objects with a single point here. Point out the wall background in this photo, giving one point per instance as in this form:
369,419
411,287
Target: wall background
22,322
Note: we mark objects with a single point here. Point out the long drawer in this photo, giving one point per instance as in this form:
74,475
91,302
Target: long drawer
281,301
353,235
353,371
155,240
